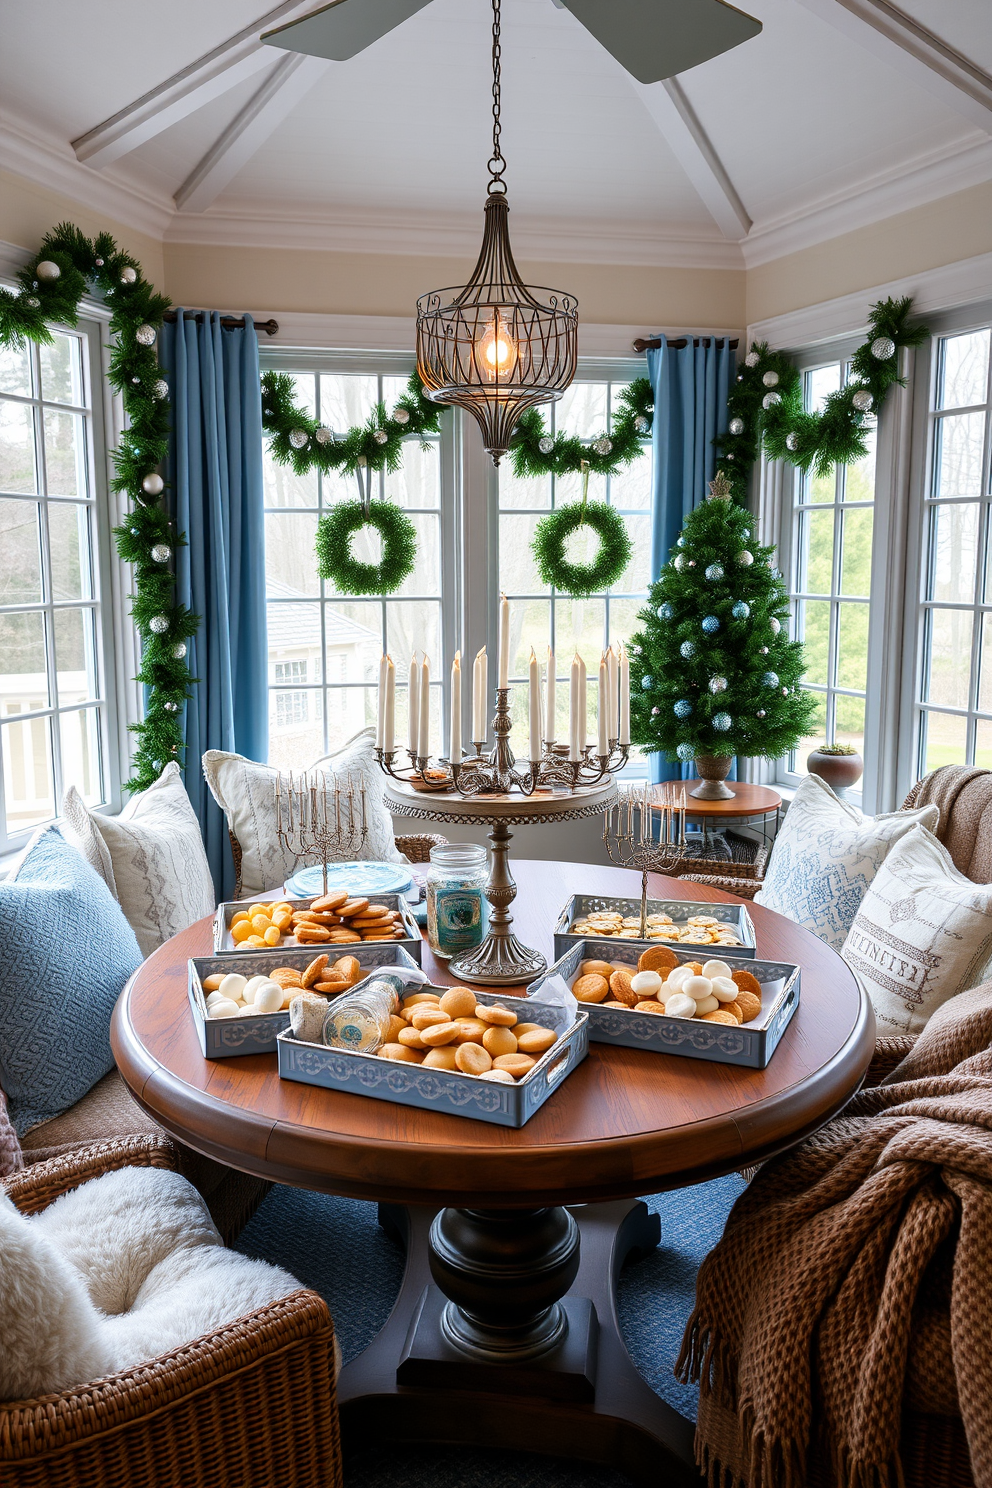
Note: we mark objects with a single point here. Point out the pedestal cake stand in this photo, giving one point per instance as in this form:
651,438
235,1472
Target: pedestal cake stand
501,960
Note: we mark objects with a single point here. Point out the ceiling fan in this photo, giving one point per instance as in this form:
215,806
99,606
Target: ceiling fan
652,39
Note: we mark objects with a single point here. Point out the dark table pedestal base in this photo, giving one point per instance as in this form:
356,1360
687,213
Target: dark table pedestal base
534,1373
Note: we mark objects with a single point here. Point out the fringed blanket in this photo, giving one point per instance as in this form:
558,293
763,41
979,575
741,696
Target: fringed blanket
855,1275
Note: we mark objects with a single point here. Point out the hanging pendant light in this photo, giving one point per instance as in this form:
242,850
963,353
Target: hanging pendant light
496,346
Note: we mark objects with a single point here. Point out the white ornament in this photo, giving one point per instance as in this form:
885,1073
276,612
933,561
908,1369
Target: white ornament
546,444
745,559
324,435
380,436
161,553
298,438
153,485
172,707
718,684
770,379
159,624
761,712
128,275
98,262
883,347
160,389
736,426
47,270
862,400
770,399
776,625
179,650
603,446
752,359
641,424
678,562
145,335
401,415
792,441
33,301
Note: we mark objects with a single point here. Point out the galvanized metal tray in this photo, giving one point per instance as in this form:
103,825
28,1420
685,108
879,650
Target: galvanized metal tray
443,1090
255,1033
750,1044
733,915
225,946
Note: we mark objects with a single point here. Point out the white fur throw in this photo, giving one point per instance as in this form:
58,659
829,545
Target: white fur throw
120,1270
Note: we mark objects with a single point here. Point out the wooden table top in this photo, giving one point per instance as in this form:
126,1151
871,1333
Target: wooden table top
626,1122
749,800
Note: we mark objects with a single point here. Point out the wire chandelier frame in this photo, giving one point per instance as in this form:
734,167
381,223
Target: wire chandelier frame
496,346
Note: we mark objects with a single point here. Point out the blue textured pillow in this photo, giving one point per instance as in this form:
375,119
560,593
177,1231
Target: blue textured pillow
66,951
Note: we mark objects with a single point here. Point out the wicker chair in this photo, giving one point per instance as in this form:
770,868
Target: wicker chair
247,1406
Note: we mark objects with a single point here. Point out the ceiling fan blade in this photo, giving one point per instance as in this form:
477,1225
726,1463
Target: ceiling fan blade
343,28
656,39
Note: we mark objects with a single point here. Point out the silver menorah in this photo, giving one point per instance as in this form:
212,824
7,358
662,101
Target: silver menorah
318,819
629,833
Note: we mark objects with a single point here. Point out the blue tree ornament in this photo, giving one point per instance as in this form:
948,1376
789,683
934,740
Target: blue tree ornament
682,708
665,611
722,722
687,650
741,610
770,679
685,752
647,682
714,572
711,624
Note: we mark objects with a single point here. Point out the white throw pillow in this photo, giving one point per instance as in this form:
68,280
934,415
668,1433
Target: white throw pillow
825,856
150,857
246,792
923,933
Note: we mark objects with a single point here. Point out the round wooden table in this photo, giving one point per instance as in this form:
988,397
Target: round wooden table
483,1221
750,803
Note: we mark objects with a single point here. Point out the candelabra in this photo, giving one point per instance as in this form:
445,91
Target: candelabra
318,817
628,832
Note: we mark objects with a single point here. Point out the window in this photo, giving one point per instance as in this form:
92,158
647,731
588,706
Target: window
54,538
324,650
954,675
540,617
832,525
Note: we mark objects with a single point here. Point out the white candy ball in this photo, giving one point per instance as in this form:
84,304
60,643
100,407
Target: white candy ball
225,1008
680,1006
213,997
707,1005
724,990
233,986
268,998
716,969
698,987
677,976
645,983
251,987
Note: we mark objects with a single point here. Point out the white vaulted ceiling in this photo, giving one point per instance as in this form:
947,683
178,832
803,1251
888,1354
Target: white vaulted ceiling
822,119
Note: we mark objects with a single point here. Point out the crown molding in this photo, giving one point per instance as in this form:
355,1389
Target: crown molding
962,283
931,175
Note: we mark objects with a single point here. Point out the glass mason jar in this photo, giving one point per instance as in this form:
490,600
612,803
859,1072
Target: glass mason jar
457,908
359,1020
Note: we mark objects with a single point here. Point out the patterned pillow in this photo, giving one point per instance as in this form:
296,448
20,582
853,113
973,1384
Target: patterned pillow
923,934
246,793
826,855
150,857
66,951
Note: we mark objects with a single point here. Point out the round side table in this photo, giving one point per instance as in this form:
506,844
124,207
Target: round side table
751,803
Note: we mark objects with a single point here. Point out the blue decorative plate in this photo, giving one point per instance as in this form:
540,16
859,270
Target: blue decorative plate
359,878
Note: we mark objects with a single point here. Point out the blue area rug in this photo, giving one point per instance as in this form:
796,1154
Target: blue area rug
337,1247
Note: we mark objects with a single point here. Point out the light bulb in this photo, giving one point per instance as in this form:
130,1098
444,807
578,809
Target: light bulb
498,350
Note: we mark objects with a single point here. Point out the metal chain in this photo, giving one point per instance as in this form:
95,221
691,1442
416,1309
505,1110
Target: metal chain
497,164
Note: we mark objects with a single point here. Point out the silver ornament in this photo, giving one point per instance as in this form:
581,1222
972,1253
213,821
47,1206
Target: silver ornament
761,712
145,335
714,572
770,679
883,347
752,359
764,650
179,650
745,559
160,389
297,438
47,270
324,435
722,722
128,275
785,692
685,753
687,650
641,424
153,485
691,563
135,379
33,301
401,415
545,444
380,436
792,441
770,379
603,446
718,684
172,707
862,400
98,262
159,624
736,426
635,650
678,562
776,625
770,399
161,553
655,712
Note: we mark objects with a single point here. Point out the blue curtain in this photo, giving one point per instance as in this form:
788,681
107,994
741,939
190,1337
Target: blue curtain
691,385
214,471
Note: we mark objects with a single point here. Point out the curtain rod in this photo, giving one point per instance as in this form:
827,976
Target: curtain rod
229,322
654,344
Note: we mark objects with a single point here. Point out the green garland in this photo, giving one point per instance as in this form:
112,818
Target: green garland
52,285
578,579
535,452
303,442
766,403
333,545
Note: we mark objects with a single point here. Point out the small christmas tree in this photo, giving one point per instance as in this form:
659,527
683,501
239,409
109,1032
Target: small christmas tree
713,672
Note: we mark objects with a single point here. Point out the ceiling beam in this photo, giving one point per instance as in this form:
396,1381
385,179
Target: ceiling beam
292,77
914,51
211,75
678,122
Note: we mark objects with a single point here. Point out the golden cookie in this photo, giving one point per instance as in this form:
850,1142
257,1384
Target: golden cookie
352,907
535,1041
650,1006
438,1034
597,968
312,934
736,1009
411,1038
440,1058
616,1005
349,967
413,998
719,1015
516,1065
459,1002
401,1053
472,1059
590,988
747,982
393,1031
749,1005
211,983
498,1041
314,971
427,1014
332,987
621,988
656,958
333,900
497,1015
336,937
470,1030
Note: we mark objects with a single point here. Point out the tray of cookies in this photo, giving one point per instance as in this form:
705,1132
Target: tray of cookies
239,1003
456,1050
673,1001
674,922
336,919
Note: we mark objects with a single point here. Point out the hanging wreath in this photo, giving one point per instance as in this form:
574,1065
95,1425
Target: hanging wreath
766,403
333,545
551,537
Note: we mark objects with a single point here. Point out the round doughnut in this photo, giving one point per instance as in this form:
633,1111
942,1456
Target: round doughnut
498,1041
472,1059
497,1014
656,958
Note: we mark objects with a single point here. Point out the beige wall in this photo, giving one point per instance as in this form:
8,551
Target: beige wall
942,232
28,212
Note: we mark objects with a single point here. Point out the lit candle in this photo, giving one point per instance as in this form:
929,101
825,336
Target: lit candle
605,709
455,739
504,641
414,704
389,711
624,696
535,708
380,725
613,721
574,752
480,686
583,708
425,708
550,701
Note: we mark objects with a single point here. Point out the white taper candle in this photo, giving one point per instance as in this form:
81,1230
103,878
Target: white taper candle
574,752
455,735
604,709
380,721
425,708
389,712
624,696
613,720
504,641
414,704
550,700
535,708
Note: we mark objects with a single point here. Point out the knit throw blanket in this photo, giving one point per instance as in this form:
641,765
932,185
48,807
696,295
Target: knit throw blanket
855,1276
